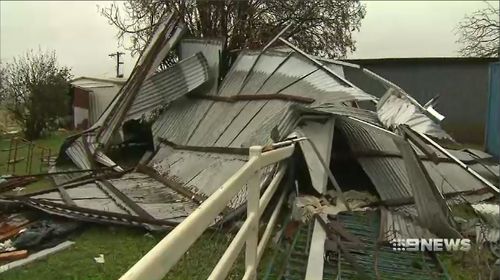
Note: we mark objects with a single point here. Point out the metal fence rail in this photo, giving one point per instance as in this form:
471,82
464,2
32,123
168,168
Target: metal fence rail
159,260
23,153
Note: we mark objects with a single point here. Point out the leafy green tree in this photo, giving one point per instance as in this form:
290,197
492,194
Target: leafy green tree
35,90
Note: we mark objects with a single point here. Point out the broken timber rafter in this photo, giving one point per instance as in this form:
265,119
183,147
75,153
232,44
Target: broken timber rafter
252,97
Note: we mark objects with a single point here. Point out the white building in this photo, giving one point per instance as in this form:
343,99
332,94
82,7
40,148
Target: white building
91,96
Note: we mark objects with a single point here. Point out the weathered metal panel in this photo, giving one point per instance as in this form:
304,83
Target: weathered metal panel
321,134
394,109
183,116
398,226
211,50
157,200
159,203
387,174
241,124
168,85
432,209
293,75
493,118
180,120
76,151
86,196
450,178
198,172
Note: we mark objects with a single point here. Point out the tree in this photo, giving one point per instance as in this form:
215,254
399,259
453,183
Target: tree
35,90
480,33
322,27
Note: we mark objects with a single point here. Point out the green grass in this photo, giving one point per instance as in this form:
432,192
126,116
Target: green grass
122,247
474,264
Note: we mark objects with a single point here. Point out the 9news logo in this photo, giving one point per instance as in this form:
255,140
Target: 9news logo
432,245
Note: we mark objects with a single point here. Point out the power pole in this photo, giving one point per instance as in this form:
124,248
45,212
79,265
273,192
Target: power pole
118,62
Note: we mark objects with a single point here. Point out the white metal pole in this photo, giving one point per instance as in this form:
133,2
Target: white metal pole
225,263
270,226
253,195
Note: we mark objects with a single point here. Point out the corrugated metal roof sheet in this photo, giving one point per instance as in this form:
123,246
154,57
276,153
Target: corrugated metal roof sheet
209,123
86,196
76,151
166,86
160,202
211,50
394,225
343,110
394,109
433,212
198,172
388,174
279,72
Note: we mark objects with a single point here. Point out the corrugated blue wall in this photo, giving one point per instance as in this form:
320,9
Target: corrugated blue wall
493,121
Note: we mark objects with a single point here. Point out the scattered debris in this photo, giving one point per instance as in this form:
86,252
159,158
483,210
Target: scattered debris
9,183
13,255
11,225
99,259
6,246
43,233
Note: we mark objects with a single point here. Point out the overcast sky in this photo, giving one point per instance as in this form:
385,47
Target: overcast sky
82,38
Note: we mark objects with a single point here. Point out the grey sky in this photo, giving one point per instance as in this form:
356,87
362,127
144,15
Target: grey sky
83,39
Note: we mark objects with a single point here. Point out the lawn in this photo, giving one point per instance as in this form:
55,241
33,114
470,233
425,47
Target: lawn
122,247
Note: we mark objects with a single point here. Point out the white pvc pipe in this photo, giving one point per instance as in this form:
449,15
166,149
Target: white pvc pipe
225,263
270,226
271,189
